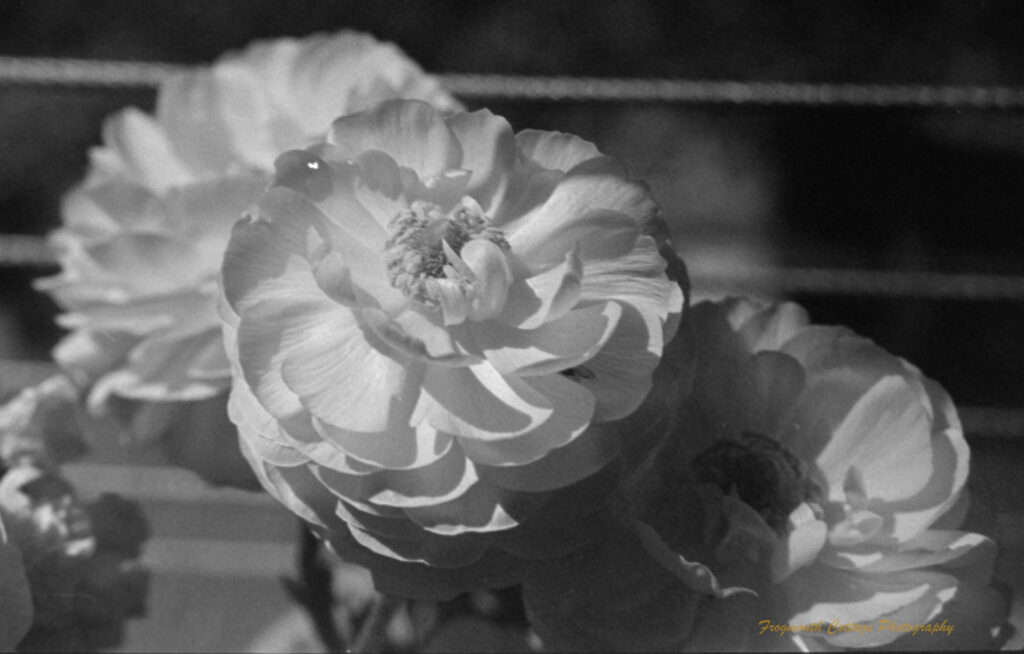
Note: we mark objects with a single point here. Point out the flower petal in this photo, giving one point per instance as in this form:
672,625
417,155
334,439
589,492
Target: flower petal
488,153
546,296
325,359
638,278
539,243
158,369
410,132
562,466
145,151
555,150
620,374
800,546
596,192
822,594
950,462
483,508
446,477
148,263
504,421
558,345
493,278
931,548
194,111
430,549
887,436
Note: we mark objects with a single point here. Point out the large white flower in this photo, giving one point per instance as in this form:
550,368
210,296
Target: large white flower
433,322
144,233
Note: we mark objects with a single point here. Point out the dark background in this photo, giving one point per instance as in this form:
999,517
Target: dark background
905,189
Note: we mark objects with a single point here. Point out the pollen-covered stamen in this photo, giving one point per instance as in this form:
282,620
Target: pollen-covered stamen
765,474
415,249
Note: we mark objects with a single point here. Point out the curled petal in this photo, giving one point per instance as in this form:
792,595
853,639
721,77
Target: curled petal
488,153
504,421
555,150
412,133
493,278
145,152
546,296
553,347
578,459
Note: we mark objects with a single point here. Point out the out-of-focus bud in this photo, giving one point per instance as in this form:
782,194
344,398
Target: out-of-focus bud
42,421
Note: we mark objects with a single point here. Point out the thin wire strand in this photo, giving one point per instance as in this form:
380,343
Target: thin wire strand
869,283
134,74
84,72
32,252
18,251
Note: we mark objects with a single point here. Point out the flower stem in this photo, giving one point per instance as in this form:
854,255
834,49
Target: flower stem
371,633
312,590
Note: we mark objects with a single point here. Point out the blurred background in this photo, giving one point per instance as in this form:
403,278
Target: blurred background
745,188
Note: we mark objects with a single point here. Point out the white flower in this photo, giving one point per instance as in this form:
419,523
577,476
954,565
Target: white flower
144,234
842,471
815,480
432,321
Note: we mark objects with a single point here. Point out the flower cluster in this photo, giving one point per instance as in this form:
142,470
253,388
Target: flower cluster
68,567
460,354
144,233
432,322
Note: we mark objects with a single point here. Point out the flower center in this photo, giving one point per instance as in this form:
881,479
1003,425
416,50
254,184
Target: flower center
415,249
766,475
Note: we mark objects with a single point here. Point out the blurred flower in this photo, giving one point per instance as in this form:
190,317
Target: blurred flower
433,324
42,421
80,559
144,233
826,475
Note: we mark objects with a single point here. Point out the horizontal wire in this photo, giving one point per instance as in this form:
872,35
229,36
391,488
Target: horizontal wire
129,74
993,422
84,72
871,283
22,251
732,92
33,252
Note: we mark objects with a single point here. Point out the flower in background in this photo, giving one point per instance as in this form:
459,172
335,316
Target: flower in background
434,324
840,470
68,567
144,233
80,559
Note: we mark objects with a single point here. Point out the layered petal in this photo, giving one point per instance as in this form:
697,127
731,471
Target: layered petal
433,347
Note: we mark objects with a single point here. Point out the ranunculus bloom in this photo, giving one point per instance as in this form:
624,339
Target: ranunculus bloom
840,469
144,234
433,323
815,478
